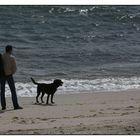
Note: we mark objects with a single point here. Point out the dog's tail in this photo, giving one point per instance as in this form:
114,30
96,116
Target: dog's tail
34,81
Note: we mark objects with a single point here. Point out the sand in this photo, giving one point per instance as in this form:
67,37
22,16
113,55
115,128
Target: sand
84,113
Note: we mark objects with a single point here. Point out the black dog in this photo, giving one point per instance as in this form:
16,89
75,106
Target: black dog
49,89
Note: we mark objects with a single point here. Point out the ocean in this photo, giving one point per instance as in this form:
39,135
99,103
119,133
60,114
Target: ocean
91,48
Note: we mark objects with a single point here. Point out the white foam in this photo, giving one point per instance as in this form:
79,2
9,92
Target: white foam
77,86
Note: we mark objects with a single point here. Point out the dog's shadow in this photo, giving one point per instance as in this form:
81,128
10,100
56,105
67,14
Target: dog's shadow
41,104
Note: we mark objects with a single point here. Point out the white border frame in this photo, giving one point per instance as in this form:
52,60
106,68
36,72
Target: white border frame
69,2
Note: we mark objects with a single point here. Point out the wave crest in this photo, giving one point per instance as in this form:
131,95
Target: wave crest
78,86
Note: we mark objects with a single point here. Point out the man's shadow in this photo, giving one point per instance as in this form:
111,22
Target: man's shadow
3,111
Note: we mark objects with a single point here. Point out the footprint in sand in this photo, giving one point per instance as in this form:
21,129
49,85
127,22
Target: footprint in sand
127,113
22,120
53,120
80,116
130,128
15,118
130,107
79,104
117,109
92,111
44,119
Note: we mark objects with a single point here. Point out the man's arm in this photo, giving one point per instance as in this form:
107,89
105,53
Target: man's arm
14,67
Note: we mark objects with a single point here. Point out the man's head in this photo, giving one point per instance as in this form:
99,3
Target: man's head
8,49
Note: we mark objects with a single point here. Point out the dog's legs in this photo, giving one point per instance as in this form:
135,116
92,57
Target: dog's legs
48,99
52,99
38,93
42,97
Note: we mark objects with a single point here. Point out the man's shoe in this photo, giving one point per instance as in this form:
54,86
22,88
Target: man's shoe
15,108
3,108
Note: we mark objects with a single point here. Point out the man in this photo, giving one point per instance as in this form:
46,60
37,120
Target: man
1,67
1,70
9,69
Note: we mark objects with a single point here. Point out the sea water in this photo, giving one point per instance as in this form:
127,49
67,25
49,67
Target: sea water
91,48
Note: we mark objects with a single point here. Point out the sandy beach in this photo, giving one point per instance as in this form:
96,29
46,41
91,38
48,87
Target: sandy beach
85,113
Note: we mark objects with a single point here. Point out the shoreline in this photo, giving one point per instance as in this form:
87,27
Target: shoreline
109,84
85,113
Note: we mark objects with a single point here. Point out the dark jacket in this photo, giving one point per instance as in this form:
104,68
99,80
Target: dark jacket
1,67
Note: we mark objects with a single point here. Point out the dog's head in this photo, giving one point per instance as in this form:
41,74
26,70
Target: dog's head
58,82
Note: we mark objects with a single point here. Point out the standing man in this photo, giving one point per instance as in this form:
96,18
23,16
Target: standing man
1,68
1,71
9,69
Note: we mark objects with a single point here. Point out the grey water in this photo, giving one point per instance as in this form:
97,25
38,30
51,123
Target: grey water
89,47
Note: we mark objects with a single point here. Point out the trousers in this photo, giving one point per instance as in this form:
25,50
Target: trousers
11,83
